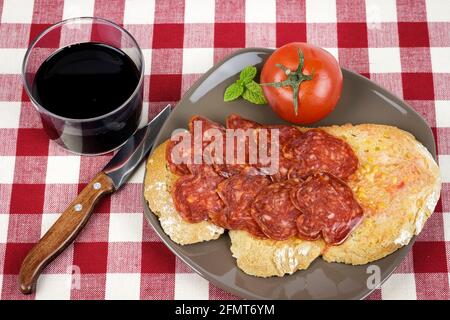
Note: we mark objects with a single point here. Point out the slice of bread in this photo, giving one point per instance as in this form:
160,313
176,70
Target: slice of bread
397,184
158,183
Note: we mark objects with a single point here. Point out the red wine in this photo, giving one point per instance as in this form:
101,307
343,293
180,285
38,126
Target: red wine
85,81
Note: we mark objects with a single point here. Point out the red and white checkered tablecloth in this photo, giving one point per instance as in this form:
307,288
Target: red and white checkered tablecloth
402,45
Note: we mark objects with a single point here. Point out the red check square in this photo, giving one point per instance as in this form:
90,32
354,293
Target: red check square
411,10
352,35
51,40
27,198
443,142
90,257
20,31
432,286
8,145
169,11
229,11
157,286
290,32
413,34
11,85
156,258
30,170
47,11
418,86
229,35
112,10
291,11
88,287
165,87
24,228
168,35
429,257
15,253
351,10
442,86
32,142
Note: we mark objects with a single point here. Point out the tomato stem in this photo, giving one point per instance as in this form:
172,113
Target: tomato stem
294,78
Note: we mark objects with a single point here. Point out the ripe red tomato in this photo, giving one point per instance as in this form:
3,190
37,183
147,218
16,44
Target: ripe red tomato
315,85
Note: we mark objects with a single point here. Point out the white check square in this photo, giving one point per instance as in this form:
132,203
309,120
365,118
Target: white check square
260,11
442,109
54,287
197,60
4,223
440,58
125,227
321,11
78,8
123,286
48,219
139,12
63,169
147,53
7,164
446,216
438,10
190,286
384,60
11,60
334,52
9,114
17,11
399,287
199,11
444,164
378,11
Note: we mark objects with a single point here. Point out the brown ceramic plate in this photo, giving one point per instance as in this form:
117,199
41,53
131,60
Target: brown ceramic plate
362,101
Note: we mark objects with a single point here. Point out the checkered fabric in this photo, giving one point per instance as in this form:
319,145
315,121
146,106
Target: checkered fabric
402,45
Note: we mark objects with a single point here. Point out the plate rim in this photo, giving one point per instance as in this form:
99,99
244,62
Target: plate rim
401,252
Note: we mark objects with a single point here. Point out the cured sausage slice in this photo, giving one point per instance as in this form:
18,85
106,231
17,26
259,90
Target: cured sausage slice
235,121
321,151
205,122
288,169
177,168
328,209
274,212
286,133
238,193
185,155
195,195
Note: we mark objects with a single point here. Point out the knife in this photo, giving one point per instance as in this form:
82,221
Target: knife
70,223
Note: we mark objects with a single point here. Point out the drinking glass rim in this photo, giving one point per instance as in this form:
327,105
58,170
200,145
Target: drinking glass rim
57,24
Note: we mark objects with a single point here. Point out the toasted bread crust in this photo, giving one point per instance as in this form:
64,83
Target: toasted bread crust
397,184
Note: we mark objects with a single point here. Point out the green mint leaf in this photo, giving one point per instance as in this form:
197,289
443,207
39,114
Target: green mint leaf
233,92
247,74
253,93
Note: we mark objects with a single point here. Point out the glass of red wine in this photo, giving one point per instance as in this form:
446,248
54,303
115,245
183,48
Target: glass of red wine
85,78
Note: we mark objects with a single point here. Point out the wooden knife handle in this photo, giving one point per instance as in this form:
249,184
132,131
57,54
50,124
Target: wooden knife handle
63,232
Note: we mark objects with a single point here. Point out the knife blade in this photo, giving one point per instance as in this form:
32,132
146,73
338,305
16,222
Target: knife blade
72,221
122,165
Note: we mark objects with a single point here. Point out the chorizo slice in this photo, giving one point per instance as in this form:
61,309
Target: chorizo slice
328,209
322,152
195,195
274,212
238,193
